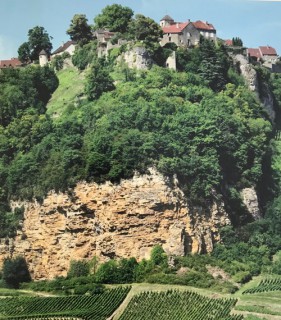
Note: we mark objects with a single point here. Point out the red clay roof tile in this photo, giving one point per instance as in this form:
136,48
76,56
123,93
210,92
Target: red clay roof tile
14,62
268,51
252,52
175,28
201,25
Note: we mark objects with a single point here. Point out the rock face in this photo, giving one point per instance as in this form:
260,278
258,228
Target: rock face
112,221
250,200
138,58
250,76
248,72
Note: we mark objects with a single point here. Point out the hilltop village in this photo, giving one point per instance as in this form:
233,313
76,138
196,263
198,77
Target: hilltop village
183,34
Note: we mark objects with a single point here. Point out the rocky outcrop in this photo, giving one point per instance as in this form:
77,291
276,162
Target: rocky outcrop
251,78
248,72
112,221
250,200
138,58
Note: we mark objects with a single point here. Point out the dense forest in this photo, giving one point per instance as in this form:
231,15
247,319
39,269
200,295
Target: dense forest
201,123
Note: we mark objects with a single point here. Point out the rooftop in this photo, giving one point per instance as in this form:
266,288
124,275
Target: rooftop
63,47
175,28
167,18
12,63
268,51
203,25
252,52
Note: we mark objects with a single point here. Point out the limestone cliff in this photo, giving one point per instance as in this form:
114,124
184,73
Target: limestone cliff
112,221
138,58
250,75
250,200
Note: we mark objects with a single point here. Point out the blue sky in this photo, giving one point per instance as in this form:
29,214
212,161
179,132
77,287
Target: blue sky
256,22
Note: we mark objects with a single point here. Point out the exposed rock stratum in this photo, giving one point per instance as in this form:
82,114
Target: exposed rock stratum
112,221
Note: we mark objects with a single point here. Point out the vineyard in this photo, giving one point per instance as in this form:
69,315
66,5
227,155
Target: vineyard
265,285
91,307
173,305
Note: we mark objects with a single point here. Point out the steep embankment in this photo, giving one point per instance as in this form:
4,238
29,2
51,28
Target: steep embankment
211,142
69,92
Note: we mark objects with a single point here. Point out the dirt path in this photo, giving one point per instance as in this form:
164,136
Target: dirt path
38,293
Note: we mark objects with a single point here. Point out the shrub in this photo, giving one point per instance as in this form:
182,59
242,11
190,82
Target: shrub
78,269
15,271
242,277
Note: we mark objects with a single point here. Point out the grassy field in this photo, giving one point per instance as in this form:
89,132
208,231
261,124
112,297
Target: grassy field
266,305
4,293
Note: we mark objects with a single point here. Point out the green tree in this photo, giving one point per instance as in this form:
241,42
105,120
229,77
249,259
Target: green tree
114,17
24,52
127,269
145,29
158,256
236,41
214,65
108,272
84,56
78,268
98,80
79,30
38,39
15,271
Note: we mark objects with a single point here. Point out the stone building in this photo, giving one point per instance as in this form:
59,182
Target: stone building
265,53
185,34
206,29
104,45
182,34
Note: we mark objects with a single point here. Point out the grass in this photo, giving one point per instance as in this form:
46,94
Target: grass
266,305
5,292
68,94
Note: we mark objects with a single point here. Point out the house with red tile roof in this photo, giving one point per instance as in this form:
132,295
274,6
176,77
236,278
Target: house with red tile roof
185,33
265,53
182,34
268,52
12,63
254,54
206,29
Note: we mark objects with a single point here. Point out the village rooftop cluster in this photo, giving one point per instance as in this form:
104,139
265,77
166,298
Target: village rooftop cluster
183,34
